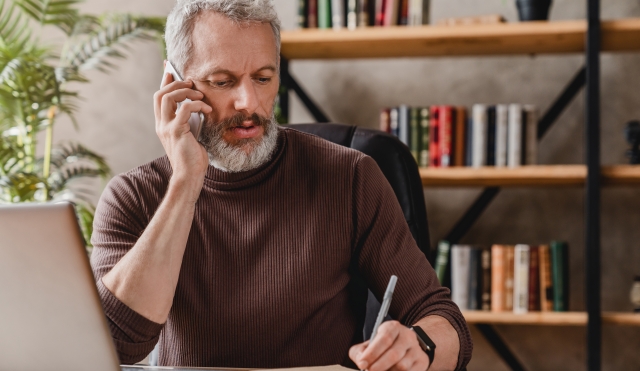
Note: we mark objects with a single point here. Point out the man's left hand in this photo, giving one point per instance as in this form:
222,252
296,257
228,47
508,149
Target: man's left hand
394,348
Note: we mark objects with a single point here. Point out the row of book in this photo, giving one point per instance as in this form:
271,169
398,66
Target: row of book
443,136
352,14
504,278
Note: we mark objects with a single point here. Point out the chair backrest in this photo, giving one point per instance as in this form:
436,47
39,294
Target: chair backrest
397,164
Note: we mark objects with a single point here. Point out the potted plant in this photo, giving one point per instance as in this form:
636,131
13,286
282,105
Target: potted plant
34,93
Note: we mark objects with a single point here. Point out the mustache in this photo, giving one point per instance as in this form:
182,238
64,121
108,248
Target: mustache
239,118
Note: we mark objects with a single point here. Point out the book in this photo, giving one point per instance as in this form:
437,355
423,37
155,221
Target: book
521,279
302,13
384,121
403,13
531,137
485,291
434,135
418,12
324,13
424,141
312,14
468,143
393,121
514,142
379,12
534,279
546,283
442,260
497,278
415,136
560,275
390,13
508,277
403,125
460,260
475,271
337,14
352,14
479,135
501,134
445,132
491,136
363,13
459,133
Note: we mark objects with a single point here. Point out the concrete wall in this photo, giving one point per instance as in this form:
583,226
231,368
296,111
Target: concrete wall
116,119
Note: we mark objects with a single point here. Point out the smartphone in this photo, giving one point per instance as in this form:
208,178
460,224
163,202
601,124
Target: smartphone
197,118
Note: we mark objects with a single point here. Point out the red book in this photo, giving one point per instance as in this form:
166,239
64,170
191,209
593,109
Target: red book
380,7
312,16
446,130
434,136
459,133
534,279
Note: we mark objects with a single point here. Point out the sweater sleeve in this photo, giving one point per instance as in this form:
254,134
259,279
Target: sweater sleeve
384,246
118,223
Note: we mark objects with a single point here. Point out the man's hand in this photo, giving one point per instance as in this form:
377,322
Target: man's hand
189,160
395,348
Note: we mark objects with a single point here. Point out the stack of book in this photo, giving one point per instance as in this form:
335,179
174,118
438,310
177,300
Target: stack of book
352,14
507,278
443,136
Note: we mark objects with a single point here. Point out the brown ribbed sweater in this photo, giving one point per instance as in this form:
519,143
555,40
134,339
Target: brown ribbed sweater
265,278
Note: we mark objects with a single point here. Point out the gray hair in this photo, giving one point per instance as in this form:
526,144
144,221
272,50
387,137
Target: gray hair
182,17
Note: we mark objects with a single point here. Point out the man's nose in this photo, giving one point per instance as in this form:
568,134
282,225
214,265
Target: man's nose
246,97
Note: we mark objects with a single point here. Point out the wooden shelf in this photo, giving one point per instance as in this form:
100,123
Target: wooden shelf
495,39
549,318
529,176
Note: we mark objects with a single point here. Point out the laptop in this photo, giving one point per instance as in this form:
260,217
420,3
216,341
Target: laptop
51,317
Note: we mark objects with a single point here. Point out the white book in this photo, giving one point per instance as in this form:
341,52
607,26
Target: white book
337,14
403,124
415,13
502,123
479,135
514,142
531,141
521,279
460,267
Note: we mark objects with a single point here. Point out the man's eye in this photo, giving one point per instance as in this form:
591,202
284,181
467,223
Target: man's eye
264,80
219,84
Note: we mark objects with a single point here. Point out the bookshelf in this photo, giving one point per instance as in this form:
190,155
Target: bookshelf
559,37
590,37
527,176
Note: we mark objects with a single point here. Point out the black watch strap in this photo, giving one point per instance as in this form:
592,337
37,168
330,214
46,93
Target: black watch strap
426,343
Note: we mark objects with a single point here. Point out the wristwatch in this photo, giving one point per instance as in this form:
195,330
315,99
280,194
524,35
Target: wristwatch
427,345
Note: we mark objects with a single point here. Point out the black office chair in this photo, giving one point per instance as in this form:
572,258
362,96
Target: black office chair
400,169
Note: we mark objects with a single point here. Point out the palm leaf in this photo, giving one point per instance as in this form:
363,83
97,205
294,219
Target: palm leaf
85,212
59,180
14,29
59,13
73,153
12,157
21,187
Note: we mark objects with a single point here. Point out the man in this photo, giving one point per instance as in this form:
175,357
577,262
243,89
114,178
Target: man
240,252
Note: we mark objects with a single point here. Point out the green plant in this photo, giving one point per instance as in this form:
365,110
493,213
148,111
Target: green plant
33,93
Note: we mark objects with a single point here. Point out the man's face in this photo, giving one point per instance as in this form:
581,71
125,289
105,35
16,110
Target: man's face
235,67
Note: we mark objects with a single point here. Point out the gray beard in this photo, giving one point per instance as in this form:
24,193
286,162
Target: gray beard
247,155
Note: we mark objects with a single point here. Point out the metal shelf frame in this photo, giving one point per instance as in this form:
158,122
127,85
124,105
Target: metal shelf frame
588,77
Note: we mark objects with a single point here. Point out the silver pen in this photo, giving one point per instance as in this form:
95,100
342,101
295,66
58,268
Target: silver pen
384,308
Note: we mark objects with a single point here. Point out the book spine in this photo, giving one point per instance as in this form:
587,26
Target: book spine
445,135
434,137
479,127
460,268
497,278
384,121
312,15
442,260
379,17
302,13
491,136
424,141
560,277
460,132
414,133
403,125
534,279
352,14
485,264
415,13
363,13
515,136
546,284
521,279
508,280
391,13
337,14
403,14
501,134
324,13
426,11
468,143
531,151
474,284
393,121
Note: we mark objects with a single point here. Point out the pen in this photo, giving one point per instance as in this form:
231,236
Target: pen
384,308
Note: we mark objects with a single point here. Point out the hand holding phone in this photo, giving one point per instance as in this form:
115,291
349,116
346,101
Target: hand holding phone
197,118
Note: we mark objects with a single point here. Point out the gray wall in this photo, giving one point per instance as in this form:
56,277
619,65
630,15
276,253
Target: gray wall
116,119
